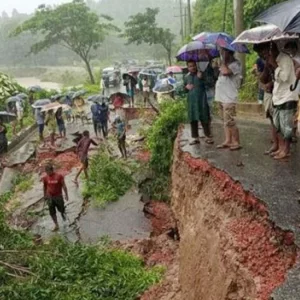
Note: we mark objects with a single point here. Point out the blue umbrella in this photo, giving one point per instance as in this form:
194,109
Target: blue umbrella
40,103
57,97
220,39
192,51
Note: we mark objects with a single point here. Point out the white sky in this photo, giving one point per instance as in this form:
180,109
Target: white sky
25,6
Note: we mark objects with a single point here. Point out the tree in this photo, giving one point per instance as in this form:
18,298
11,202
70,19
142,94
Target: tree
72,25
142,28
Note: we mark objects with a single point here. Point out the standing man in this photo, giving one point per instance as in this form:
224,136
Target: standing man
198,109
51,124
104,117
146,90
82,152
54,184
258,69
95,109
227,87
284,100
121,135
40,120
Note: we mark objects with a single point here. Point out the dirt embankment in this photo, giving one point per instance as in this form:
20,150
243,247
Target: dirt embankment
228,247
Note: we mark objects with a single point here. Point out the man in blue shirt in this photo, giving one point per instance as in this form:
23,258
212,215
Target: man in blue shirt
104,116
95,109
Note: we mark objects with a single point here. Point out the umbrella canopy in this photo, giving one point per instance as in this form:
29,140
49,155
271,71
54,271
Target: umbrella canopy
40,103
163,87
262,34
35,88
127,75
79,94
97,98
122,95
194,50
57,97
23,96
148,72
7,117
174,69
13,99
284,15
220,39
55,106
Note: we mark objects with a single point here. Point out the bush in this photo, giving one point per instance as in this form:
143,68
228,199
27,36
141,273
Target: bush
60,270
108,179
162,134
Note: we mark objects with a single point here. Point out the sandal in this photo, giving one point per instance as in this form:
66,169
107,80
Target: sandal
235,148
209,141
194,142
223,146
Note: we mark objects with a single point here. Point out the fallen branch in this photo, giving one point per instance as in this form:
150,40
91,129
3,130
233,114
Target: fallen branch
17,268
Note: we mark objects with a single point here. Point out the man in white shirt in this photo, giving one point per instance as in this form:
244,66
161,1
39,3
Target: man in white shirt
284,100
227,95
146,90
20,112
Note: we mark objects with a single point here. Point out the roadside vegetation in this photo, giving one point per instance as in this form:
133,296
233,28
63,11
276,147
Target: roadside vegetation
109,179
160,142
61,270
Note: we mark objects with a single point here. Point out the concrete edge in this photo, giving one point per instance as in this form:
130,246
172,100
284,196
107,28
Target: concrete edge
21,136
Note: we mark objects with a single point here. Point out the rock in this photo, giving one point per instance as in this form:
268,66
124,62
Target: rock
6,182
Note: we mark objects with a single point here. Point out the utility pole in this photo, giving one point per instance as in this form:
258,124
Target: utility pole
238,7
224,16
185,21
189,15
181,20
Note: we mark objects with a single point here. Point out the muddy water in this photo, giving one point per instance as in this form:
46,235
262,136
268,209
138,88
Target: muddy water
30,81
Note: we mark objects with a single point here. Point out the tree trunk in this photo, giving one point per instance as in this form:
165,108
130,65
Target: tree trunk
89,69
169,53
238,7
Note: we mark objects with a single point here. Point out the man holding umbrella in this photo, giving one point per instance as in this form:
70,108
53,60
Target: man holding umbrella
227,95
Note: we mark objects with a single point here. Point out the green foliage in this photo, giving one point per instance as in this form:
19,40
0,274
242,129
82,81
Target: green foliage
60,270
162,134
108,179
142,28
72,25
75,272
7,88
249,90
23,182
158,188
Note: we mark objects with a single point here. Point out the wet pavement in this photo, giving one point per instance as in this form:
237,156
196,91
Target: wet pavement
273,182
6,180
21,155
121,220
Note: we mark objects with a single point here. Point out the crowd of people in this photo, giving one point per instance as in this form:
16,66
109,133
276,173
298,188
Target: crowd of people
276,72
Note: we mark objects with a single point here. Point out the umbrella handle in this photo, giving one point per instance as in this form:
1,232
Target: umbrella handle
293,87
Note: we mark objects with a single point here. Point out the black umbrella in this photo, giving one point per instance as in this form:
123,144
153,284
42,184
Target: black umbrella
284,15
7,117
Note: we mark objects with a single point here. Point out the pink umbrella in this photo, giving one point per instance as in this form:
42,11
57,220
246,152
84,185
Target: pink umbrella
174,69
